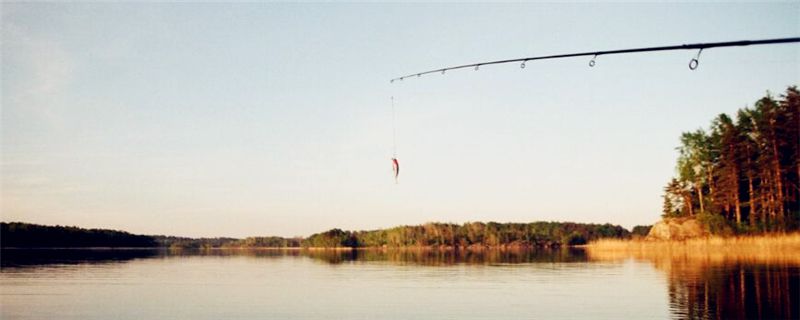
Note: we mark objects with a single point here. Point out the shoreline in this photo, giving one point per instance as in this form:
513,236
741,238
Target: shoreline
776,247
782,239
408,248
788,242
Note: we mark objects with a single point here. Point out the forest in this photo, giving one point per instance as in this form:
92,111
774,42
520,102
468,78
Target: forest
741,175
492,234
26,235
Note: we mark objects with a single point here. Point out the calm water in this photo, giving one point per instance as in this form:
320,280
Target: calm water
144,284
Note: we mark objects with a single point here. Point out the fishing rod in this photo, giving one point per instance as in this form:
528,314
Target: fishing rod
692,63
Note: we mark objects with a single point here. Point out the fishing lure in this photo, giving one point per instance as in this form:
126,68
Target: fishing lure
395,163
395,169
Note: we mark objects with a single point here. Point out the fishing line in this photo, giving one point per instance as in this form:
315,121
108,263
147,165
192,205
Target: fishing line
394,131
395,162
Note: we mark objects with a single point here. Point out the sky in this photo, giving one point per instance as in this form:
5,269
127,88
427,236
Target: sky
247,119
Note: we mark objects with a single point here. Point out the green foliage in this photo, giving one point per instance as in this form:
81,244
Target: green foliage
25,235
743,174
574,239
469,234
716,224
266,242
193,243
640,231
544,234
333,238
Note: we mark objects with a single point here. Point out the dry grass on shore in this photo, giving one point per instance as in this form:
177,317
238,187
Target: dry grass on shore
779,248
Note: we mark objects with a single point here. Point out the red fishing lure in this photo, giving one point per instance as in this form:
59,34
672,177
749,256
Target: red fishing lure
395,168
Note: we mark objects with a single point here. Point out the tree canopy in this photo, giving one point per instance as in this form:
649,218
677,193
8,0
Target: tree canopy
741,175
25,235
492,234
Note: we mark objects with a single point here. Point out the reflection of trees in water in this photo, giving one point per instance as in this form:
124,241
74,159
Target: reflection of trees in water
723,284
735,291
720,286
234,252
38,257
428,257
433,257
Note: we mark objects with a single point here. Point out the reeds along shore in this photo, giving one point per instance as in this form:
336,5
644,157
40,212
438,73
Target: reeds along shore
777,248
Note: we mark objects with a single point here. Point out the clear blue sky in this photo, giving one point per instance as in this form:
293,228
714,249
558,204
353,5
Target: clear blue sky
274,119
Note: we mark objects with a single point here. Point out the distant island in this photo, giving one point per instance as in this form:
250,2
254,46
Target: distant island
439,235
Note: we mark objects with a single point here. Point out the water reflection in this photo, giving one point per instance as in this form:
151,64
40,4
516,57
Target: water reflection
696,286
449,257
738,291
39,257
722,286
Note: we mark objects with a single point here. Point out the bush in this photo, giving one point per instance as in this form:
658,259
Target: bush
574,239
640,231
715,224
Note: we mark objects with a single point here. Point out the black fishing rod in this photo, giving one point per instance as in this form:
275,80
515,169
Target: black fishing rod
692,63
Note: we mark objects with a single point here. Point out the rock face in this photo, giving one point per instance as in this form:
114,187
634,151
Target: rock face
676,229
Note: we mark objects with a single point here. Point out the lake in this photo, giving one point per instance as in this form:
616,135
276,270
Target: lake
389,284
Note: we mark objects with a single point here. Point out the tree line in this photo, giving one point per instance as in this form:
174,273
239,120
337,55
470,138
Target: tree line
741,175
26,235
492,234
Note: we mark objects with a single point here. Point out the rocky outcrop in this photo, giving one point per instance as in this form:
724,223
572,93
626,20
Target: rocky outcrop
677,229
